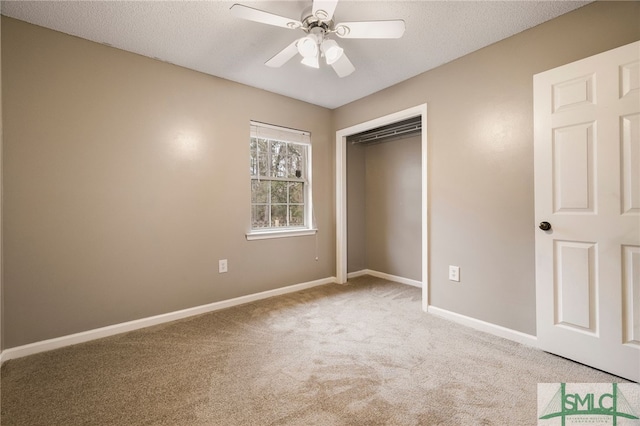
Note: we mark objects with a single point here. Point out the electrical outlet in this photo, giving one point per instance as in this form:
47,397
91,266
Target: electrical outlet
222,266
454,273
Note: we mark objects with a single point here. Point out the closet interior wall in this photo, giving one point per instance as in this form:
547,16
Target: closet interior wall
383,207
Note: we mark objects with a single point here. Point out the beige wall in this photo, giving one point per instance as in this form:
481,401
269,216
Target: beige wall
126,179
384,208
480,138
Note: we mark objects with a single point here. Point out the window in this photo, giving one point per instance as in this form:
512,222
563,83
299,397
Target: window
280,170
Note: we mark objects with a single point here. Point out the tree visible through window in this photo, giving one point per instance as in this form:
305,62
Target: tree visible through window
279,178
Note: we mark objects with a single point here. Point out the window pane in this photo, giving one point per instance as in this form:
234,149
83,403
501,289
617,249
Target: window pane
263,157
278,159
259,216
296,192
297,154
259,191
296,215
279,192
278,178
253,164
278,215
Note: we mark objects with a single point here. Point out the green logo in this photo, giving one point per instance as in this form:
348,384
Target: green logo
590,403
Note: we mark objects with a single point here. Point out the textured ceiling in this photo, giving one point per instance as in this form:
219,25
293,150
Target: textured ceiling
202,35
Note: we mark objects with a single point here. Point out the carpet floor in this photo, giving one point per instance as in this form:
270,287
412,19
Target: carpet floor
358,354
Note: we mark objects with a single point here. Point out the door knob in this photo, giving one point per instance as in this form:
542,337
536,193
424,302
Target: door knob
545,226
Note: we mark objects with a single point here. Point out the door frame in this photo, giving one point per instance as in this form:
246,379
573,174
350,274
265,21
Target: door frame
341,191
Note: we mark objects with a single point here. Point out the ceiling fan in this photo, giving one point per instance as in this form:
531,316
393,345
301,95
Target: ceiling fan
317,22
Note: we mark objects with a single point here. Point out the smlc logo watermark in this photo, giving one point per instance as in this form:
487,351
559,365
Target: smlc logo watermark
564,404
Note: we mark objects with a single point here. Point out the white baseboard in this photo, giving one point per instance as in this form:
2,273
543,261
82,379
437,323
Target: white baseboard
357,273
85,336
385,276
487,327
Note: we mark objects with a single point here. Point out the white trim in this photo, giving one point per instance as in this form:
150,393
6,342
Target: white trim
385,276
341,205
425,208
85,336
341,191
265,235
487,327
276,127
357,274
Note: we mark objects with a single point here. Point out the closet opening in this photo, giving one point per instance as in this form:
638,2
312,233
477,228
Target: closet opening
381,199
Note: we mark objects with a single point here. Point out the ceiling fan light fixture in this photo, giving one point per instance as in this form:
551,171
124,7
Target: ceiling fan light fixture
332,52
308,47
311,61
318,24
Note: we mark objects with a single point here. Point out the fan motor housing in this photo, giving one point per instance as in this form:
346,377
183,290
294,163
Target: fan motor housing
309,22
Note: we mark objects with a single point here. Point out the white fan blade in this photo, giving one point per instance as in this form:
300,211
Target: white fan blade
343,66
257,15
283,56
323,9
371,29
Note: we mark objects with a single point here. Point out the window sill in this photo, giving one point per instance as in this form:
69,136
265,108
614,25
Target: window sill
285,233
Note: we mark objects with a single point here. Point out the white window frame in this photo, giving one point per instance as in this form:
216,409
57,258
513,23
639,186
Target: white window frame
284,134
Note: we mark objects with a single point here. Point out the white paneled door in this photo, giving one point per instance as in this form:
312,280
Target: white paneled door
587,193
